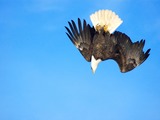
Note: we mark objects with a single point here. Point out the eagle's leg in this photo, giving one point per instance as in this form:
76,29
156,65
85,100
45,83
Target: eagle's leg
105,27
98,27
102,28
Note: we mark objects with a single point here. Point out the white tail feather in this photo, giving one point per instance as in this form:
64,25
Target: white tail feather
106,17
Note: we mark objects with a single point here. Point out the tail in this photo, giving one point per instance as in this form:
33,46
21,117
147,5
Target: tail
106,19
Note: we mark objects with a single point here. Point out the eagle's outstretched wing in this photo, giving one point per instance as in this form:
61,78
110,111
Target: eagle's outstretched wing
129,55
81,37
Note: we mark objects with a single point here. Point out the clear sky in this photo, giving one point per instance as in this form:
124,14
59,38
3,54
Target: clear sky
44,77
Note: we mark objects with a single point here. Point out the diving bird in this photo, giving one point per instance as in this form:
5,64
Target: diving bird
101,42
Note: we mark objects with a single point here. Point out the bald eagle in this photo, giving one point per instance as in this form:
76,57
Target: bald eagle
101,42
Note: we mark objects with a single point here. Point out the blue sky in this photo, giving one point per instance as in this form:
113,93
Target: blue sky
44,77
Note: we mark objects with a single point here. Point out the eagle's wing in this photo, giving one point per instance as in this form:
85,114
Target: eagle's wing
81,37
129,55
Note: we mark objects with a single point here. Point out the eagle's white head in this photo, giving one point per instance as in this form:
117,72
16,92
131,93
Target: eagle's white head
94,63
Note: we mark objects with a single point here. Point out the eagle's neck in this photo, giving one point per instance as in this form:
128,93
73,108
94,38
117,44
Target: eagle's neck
94,63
